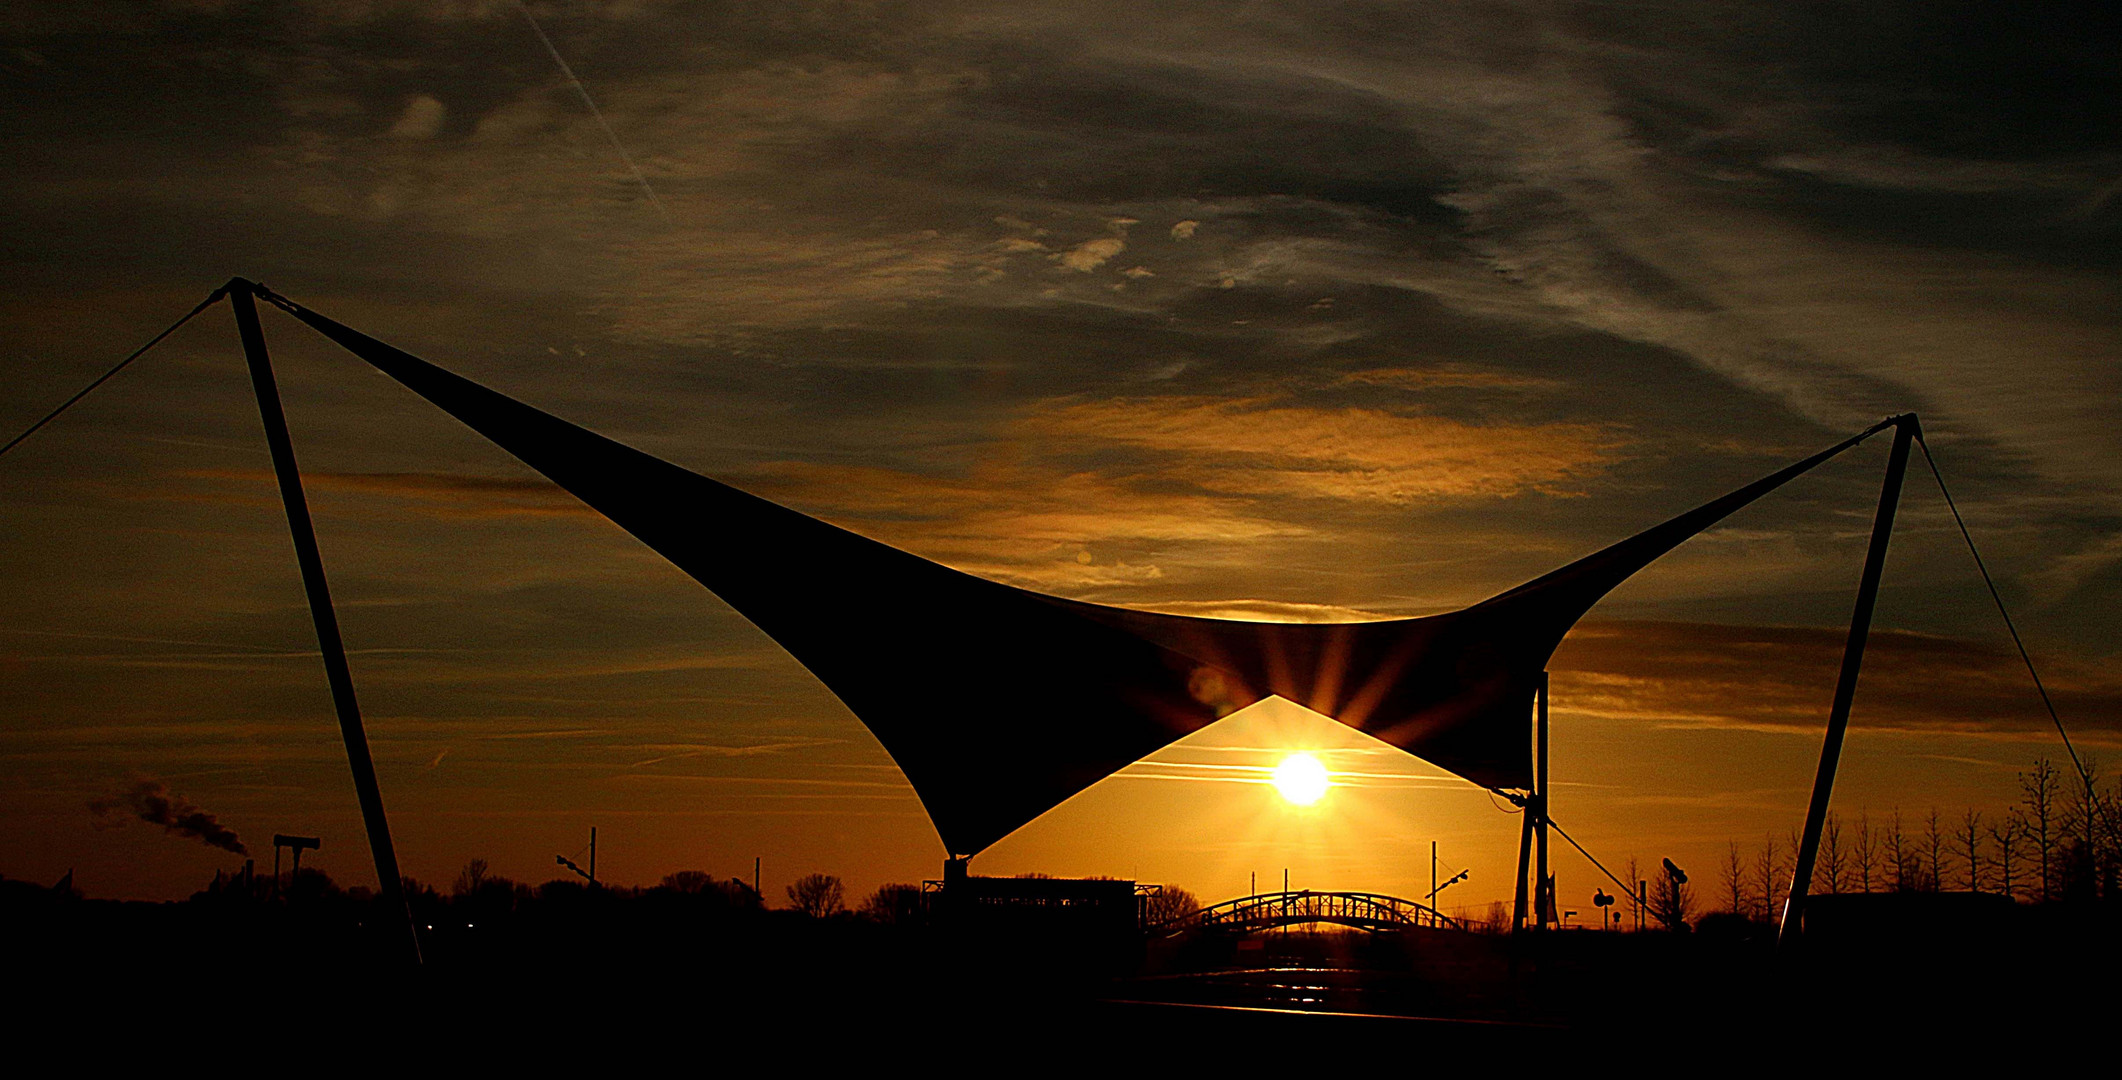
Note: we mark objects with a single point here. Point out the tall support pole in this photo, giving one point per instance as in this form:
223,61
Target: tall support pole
329,643
1905,429
1525,869
1544,900
1533,820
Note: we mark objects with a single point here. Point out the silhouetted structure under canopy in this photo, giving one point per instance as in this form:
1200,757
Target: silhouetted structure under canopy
999,703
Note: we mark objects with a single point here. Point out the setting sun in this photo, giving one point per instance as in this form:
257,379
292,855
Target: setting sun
1301,779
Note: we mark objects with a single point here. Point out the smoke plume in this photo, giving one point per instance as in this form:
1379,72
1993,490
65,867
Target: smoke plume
153,803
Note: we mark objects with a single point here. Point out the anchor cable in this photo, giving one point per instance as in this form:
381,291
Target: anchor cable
211,299
1626,889
1994,595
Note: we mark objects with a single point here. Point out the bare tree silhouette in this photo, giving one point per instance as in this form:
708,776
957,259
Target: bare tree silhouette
1866,852
1170,902
1768,879
1934,846
1734,875
893,905
818,895
470,879
688,882
1831,870
2007,836
2038,788
481,893
2088,867
1900,854
1496,920
1967,842
2106,816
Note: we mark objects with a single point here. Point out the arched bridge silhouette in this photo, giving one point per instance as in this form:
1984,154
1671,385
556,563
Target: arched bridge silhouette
1267,911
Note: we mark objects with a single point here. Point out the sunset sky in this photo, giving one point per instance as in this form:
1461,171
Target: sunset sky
1307,310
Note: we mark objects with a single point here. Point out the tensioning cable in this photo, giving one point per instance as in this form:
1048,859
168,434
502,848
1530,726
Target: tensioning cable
213,297
1626,889
1994,595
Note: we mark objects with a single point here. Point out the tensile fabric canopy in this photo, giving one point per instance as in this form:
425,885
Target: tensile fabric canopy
1000,703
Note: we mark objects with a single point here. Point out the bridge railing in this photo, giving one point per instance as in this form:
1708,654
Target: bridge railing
1369,911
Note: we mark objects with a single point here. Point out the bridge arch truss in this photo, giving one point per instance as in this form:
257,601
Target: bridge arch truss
1267,911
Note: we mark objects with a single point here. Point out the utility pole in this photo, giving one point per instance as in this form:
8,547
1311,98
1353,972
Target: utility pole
589,875
1433,881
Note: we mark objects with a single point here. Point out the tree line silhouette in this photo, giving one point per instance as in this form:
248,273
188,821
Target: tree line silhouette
2059,843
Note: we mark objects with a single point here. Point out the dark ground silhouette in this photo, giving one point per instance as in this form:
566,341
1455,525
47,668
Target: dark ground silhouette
515,968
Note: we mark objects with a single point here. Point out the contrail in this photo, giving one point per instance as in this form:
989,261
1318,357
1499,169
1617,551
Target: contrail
596,113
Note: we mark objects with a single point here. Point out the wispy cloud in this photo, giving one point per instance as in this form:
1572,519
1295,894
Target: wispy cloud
1266,447
1023,522
1779,679
440,494
682,751
1251,610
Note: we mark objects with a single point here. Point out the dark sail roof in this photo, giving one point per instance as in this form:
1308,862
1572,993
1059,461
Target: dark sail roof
999,703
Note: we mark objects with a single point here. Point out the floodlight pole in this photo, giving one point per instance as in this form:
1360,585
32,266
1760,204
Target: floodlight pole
1905,429
329,643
